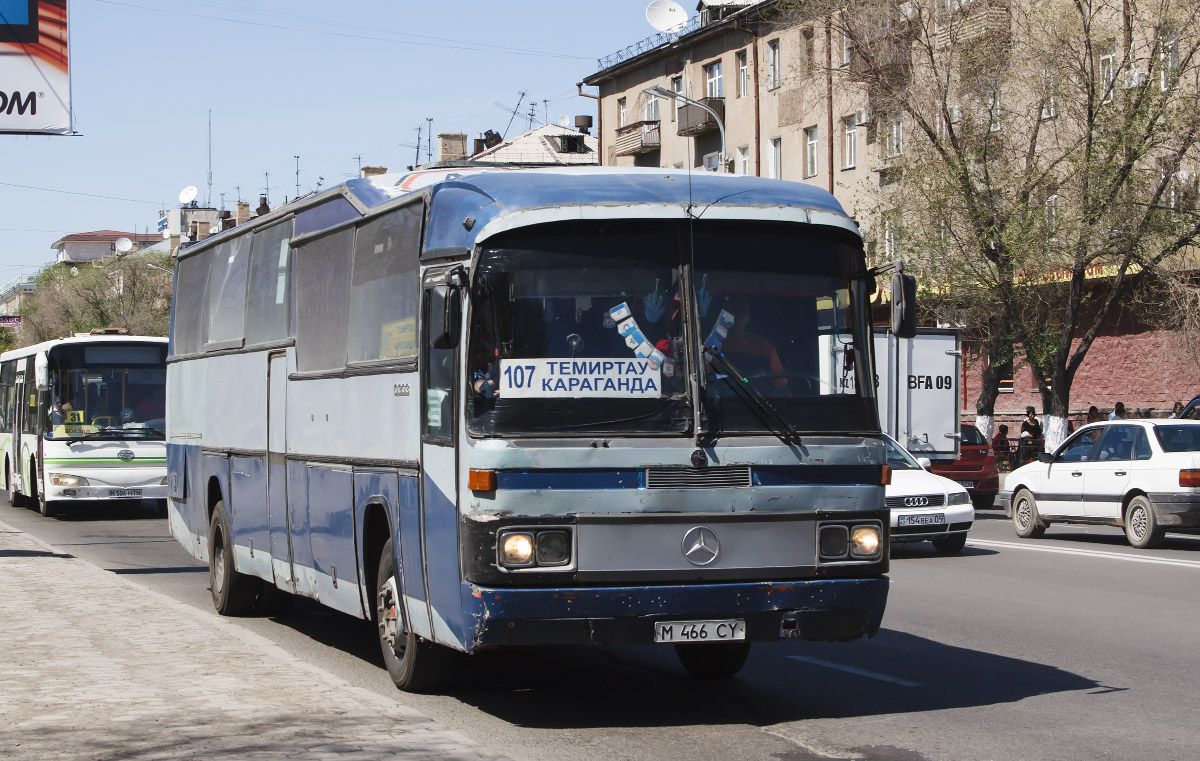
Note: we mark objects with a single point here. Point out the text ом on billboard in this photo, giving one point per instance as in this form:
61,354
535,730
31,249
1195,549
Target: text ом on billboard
35,84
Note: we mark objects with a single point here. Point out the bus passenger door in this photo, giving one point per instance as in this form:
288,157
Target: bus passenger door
277,492
439,480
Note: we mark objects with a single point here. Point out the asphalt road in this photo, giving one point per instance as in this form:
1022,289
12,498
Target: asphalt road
1071,647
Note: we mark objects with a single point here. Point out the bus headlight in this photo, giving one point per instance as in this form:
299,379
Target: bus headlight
63,479
834,541
864,541
516,549
553,548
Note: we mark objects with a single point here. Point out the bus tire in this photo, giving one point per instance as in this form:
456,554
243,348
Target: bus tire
413,663
716,660
233,593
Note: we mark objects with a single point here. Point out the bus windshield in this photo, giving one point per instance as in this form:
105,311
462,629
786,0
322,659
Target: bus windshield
585,331
107,391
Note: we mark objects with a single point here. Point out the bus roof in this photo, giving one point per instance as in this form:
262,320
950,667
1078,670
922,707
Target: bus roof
26,351
488,194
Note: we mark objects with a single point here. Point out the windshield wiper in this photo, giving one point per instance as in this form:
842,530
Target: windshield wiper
753,399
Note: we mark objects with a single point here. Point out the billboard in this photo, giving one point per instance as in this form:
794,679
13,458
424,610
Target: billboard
35,83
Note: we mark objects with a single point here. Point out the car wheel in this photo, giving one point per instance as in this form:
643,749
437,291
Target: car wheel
1141,526
948,545
233,593
1026,521
413,663
716,660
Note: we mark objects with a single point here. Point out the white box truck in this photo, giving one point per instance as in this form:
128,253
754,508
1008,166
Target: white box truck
919,389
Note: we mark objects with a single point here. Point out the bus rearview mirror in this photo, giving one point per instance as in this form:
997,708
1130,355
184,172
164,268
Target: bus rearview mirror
904,305
445,316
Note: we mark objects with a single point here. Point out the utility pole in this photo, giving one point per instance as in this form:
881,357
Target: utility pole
208,198
297,176
429,138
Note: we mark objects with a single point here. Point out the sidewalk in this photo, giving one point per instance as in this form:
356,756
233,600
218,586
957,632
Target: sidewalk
95,667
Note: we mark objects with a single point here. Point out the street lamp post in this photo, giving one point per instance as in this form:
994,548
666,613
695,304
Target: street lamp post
660,91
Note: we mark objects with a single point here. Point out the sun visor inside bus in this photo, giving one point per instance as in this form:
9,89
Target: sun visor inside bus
324,216
457,214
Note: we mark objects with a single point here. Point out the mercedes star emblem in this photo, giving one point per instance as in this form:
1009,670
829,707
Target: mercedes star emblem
125,454
701,545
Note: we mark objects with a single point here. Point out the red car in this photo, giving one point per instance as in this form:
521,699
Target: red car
975,467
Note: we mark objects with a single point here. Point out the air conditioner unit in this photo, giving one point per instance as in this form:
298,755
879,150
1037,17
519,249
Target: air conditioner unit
862,117
1134,78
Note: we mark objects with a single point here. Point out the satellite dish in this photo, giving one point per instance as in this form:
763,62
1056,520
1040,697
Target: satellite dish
188,194
666,15
123,245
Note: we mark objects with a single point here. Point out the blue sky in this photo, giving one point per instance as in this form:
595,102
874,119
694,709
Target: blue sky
327,81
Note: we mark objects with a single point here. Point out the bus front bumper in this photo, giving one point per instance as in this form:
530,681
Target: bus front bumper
820,610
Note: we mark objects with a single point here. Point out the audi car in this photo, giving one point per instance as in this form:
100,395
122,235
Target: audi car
924,506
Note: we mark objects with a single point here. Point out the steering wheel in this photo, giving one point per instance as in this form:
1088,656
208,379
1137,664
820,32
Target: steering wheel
797,384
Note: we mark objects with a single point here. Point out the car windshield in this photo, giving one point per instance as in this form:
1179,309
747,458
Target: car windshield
107,391
898,458
1178,438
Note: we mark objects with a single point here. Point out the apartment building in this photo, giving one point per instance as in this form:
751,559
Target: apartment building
770,80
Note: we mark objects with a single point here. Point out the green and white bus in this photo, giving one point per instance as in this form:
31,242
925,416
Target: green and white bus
82,420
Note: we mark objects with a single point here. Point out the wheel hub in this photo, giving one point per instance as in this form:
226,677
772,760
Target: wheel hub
388,609
1138,522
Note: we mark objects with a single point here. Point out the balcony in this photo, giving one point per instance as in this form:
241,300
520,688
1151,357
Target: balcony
696,121
637,138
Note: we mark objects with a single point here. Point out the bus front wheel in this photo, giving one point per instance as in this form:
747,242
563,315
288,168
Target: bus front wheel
15,498
233,593
413,663
713,660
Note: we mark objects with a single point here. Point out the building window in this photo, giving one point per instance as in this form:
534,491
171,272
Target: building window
847,48
774,65
810,151
712,162
677,88
1050,100
1168,58
1051,213
1108,73
714,80
743,66
775,168
810,50
890,249
743,159
622,112
650,111
893,143
850,142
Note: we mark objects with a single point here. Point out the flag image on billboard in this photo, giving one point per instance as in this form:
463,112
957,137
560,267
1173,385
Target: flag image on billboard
35,84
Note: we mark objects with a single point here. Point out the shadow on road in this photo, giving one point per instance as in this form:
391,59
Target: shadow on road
109,511
925,550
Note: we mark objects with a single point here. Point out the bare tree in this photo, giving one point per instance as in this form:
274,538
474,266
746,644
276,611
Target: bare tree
131,292
1039,160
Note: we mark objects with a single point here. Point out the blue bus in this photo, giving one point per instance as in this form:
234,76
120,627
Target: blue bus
486,407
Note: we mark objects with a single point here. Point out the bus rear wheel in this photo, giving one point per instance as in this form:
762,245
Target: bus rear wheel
715,660
15,498
233,593
413,663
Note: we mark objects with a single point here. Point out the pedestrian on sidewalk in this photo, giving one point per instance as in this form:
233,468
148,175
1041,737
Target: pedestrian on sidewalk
1093,414
1118,412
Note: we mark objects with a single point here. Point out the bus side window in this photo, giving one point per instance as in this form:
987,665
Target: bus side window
269,291
322,293
438,369
31,399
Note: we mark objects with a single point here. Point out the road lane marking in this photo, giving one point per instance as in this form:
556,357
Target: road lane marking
856,670
1102,554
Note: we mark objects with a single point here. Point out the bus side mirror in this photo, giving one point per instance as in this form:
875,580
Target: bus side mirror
445,316
904,305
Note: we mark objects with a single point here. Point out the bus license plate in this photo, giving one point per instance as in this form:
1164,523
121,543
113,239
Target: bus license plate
124,493
928,519
699,631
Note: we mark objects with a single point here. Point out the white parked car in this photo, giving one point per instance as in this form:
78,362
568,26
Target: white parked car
925,506
1140,475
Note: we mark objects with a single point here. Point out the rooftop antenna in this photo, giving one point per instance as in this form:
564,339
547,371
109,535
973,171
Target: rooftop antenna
208,198
358,158
545,111
417,156
667,16
238,189
429,138
267,187
515,110
532,118
297,176
222,202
